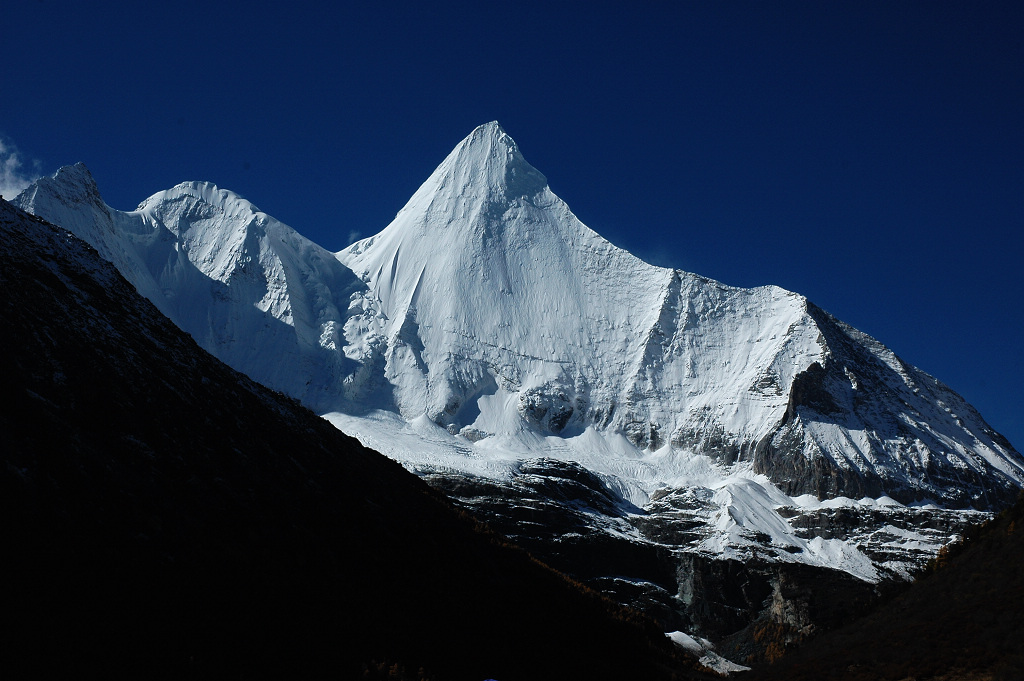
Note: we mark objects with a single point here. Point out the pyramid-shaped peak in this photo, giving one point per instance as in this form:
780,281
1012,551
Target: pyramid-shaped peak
70,185
491,133
489,139
77,174
75,178
488,162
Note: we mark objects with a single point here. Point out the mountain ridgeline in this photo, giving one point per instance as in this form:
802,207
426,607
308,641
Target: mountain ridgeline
486,285
167,517
657,434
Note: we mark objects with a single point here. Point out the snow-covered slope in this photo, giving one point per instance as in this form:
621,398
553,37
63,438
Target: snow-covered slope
504,312
248,288
493,343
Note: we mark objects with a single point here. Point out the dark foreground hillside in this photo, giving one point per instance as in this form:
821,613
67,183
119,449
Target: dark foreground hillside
963,621
165,517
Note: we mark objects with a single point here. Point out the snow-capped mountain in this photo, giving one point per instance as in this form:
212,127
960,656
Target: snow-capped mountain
262,298
167,517
500,313
558,385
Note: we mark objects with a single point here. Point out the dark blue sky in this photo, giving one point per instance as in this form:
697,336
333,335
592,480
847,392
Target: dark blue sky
867,155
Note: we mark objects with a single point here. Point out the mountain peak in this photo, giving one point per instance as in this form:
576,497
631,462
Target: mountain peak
207,193
76,173
488,136
492,128
487,164
70,185
465,201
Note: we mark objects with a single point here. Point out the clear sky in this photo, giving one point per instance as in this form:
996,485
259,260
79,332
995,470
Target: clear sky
867,155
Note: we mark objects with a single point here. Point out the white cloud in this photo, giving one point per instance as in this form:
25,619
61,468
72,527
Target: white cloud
13,177
354,236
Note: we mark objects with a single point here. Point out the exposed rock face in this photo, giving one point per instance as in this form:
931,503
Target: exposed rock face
653,558
964,619
729,598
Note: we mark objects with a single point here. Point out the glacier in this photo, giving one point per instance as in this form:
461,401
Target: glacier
497,346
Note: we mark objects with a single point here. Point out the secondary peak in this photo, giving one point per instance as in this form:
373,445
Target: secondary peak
71,185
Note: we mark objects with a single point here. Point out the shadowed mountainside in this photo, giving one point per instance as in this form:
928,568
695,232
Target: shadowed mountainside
166,517
963,620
